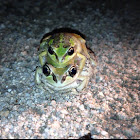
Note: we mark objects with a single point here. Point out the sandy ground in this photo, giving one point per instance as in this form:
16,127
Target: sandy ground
108,108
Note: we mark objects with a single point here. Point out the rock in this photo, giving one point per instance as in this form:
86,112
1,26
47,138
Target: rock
4,113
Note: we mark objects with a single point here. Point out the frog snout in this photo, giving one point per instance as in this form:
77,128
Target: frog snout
60,60
59,79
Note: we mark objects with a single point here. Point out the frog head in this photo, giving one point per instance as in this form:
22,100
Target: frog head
60,49
59,77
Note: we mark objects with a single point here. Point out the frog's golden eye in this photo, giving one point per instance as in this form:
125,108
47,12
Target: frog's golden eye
50,50
71,51
72,71
46,70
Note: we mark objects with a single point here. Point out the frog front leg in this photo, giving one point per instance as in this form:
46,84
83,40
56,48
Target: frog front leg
84,83
82,62
42,57
37,75
38,81
82,42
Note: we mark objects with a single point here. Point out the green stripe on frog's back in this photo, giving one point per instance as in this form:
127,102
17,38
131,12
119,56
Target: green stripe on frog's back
61,37
61,50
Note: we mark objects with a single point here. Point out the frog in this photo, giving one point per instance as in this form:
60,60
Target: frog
63,49
66,63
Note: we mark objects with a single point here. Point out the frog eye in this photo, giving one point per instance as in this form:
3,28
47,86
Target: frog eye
50,50
71,51
46,70
72,71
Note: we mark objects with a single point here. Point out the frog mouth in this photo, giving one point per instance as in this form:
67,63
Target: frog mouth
59,84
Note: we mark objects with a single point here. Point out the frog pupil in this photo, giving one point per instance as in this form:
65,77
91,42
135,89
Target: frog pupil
46,70
50,50
71,51
72,71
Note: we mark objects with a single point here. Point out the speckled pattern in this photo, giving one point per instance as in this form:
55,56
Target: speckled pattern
108,108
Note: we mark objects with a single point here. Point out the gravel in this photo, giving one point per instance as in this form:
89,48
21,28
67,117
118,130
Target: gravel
107,108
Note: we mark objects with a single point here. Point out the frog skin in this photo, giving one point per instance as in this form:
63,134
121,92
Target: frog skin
68,78
62,49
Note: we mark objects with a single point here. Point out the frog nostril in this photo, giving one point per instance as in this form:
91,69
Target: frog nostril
56,57
63,79
54,78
